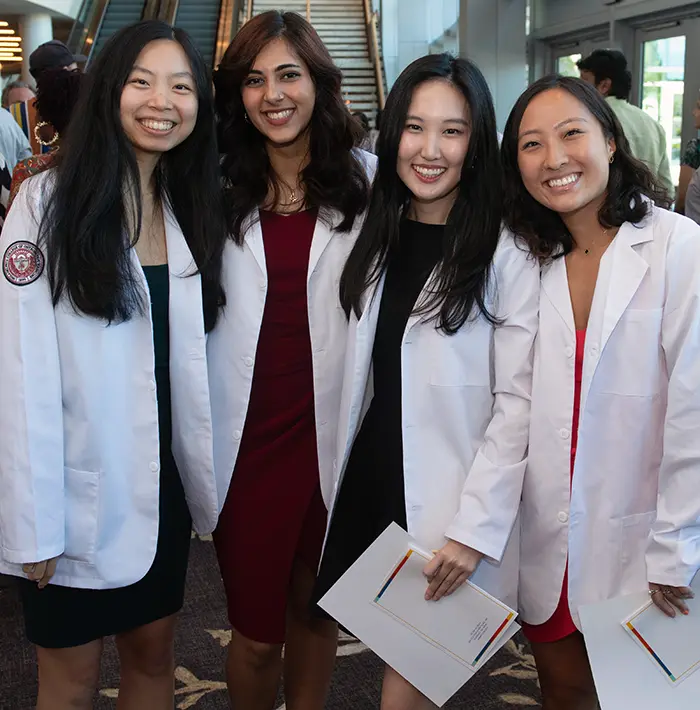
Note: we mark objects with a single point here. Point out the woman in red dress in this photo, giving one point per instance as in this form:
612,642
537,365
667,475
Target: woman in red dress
610,504
296,188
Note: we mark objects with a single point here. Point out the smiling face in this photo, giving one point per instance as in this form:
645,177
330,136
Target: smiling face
563,155
279,94
434,144
159,100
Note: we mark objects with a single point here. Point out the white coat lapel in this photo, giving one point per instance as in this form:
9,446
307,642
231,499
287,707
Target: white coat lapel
321,239
624,274
416,318
254,239
186,316
189,383
359,348
555,284
621,272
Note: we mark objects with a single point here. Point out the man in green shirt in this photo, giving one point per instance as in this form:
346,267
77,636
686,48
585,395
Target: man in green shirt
607,70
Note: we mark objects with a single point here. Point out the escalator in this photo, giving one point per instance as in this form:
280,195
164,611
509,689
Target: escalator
98,20
210,23
118,14
200,18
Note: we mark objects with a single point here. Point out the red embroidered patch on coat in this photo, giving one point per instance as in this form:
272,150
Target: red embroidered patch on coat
23,263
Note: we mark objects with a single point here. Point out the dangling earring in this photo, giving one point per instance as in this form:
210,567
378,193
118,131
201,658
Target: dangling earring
247,120
612,158
38,137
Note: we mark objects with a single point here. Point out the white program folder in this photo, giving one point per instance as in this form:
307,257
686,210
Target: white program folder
622,672
436,646
671,645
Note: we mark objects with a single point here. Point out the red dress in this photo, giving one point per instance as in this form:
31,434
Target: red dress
274,514
560,624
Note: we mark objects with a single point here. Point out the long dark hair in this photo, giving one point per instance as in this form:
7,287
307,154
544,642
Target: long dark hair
334,177
57,92
89,211
629,183
473,226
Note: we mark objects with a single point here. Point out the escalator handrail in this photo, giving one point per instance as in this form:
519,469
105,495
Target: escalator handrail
75,39
151,10
87,26
229,14
168,11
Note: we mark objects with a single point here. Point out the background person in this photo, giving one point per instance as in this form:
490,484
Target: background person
606,69
16,92
57,95
690,162
14,144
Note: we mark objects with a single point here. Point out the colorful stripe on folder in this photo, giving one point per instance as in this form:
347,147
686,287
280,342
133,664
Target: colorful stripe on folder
393,575
492,639
641,640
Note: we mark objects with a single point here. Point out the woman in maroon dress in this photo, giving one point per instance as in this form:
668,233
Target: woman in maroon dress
296,188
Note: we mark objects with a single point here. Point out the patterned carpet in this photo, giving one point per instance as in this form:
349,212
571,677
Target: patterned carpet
508,682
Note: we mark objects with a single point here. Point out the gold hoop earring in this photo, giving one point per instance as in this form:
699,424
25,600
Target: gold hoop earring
38,137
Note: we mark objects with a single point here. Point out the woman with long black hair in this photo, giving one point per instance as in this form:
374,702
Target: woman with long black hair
110,281
610,500
443,315
296,190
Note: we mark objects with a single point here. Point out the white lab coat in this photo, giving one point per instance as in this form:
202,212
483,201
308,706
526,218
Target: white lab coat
79,443
465,415
633,513
232,345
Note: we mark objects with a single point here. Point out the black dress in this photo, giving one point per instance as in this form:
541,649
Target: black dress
64,617
371,494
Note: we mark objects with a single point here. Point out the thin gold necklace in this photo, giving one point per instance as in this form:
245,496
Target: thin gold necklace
593,243
293,199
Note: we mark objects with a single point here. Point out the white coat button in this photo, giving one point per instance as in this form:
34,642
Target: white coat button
262,285
153,466
248,361
569,352
564,433
563,517
416,507
152,385
237,435
594,352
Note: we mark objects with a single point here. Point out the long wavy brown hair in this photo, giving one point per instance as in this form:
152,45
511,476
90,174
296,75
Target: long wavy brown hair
334,177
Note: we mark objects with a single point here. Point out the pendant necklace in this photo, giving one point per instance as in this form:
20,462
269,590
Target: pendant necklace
588,251
293,199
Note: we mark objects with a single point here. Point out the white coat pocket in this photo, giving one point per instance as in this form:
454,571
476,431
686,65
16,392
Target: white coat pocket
82,503
636,372
631,537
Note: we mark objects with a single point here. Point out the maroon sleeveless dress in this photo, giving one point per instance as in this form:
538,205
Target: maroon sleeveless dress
274,514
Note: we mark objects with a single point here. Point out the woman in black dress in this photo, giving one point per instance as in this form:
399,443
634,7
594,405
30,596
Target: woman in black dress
443,316
111,278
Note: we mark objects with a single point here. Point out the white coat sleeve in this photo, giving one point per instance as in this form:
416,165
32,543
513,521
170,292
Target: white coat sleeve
491,493
32,525
673,554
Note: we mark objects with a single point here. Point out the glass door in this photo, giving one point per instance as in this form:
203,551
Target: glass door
663,91
566,65
565,55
